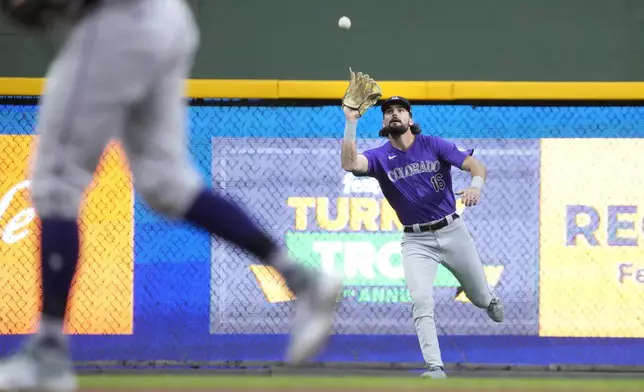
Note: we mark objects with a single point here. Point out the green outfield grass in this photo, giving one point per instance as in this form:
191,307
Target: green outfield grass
340,382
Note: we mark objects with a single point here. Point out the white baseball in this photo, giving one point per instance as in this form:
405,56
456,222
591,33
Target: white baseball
344,23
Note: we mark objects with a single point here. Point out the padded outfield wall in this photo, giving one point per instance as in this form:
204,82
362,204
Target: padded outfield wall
559,229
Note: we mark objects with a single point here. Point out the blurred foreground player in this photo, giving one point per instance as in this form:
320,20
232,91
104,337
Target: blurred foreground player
120,75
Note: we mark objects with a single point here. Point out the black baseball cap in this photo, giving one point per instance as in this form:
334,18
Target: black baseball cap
396,100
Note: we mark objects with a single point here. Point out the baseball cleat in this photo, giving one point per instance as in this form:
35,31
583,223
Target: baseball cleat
42,365
435,372
315,311
18,373
495,310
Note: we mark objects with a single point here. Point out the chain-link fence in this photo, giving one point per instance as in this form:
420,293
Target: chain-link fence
559,230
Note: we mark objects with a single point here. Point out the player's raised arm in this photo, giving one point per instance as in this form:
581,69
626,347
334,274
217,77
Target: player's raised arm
352,161
361,94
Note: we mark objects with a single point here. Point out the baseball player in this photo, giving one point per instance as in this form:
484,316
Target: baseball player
120,75
413,171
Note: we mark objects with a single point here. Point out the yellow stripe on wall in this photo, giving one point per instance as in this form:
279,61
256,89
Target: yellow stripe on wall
428,90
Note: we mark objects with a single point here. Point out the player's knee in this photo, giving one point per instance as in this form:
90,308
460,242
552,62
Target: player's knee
169,194
53,197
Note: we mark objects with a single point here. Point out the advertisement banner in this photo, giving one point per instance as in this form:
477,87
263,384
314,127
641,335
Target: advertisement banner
592,263
331,219
101,299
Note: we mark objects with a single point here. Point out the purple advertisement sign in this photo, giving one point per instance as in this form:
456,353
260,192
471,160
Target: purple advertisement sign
331,219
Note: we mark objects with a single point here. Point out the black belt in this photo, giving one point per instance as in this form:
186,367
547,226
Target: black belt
431,226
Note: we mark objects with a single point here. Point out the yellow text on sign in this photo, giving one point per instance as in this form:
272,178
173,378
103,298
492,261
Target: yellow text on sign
592,263
352,213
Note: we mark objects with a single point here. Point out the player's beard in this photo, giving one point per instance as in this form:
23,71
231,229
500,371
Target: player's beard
396,128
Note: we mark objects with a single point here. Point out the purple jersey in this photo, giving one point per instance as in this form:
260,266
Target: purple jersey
417,183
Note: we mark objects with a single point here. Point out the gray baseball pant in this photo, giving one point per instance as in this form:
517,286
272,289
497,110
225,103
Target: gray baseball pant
119,76
454,247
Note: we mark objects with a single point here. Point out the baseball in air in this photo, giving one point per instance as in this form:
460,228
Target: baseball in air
344,23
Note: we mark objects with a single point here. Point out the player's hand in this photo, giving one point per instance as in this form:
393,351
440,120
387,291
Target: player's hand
470,196
351,114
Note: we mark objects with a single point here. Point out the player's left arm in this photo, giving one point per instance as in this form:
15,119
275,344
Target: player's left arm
463,159
472,195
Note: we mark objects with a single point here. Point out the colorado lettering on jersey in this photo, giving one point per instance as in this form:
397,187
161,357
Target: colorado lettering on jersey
412,169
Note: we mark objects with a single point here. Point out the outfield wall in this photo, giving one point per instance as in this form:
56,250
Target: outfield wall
559,231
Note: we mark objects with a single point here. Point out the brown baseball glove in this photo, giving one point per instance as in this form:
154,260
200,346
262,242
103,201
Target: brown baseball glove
363,92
